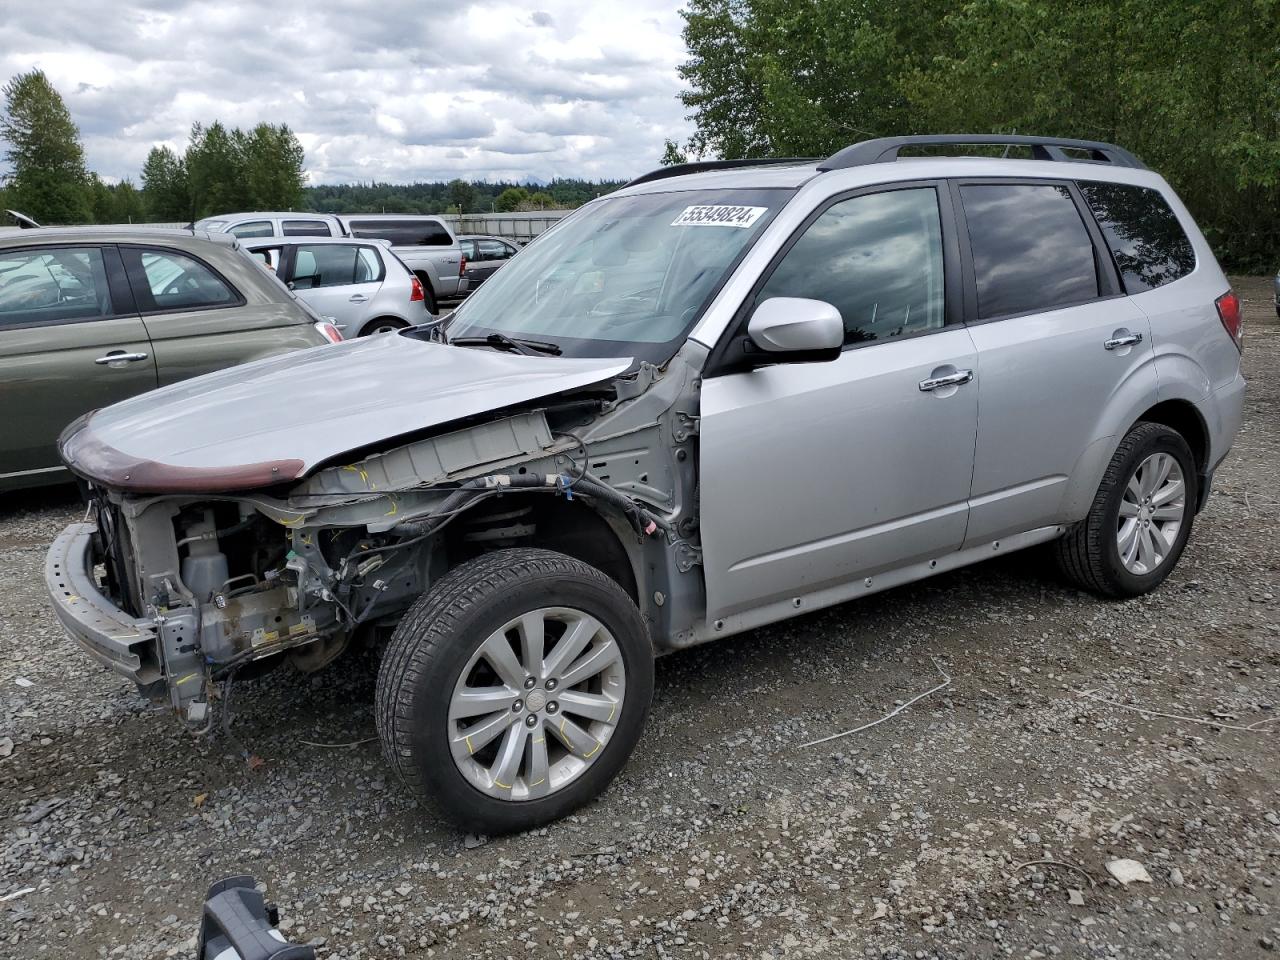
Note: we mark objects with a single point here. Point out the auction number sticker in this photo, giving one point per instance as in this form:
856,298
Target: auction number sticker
718,215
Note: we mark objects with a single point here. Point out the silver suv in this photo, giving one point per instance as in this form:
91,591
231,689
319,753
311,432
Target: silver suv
728,394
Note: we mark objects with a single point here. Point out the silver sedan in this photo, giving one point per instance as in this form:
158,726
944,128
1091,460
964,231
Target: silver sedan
359,284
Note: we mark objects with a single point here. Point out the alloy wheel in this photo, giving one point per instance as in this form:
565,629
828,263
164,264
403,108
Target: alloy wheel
536,703
1152,511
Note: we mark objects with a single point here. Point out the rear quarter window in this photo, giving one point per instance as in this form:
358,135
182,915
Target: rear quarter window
1147,242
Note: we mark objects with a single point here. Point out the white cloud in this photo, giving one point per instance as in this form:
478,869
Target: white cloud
399,91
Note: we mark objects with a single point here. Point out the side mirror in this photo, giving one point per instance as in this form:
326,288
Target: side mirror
795,330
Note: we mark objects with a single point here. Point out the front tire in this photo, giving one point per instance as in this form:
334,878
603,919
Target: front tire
1140,519
514,690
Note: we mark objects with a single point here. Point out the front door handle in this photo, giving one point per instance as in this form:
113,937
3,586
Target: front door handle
358,298
119,356
949,380
1127,340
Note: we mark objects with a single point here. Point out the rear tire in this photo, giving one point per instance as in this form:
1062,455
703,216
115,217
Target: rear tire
455,673
1152,478
432,304
382,325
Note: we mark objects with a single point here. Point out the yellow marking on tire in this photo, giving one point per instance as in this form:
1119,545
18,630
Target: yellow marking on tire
189,676
470,748
588,756
612,711
499,783
539,783
541,740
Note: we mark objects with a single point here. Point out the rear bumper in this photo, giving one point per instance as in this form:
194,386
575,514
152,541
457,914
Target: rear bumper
111,636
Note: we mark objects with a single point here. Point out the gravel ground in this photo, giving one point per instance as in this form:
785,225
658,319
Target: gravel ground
978,822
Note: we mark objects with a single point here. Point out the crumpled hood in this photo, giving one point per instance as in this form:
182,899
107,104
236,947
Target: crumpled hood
274,420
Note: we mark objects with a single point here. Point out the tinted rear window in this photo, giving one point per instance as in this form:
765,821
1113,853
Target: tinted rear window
1149,245
1031,250
403,233
306,228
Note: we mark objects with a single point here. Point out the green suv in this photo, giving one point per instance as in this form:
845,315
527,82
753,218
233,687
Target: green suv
89,316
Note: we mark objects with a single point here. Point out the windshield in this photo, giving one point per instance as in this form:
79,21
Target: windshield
625,276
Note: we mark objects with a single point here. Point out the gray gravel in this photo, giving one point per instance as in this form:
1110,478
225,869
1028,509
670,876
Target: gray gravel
979,822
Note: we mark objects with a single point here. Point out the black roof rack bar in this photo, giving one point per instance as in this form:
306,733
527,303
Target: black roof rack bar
702,166
885,149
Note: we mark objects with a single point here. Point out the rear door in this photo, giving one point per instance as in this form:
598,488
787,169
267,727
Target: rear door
337,280
1060,345
197,320
825,473
70,342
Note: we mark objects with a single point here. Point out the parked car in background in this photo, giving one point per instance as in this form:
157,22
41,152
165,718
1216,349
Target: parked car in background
427,246
90,316
725,395
268,224
360,285
484,256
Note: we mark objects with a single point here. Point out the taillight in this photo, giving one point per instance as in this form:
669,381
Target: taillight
418,293
1232,321
330,332
462,269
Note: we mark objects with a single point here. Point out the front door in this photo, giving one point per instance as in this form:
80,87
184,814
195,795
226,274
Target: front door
69,344
817,474
1062,349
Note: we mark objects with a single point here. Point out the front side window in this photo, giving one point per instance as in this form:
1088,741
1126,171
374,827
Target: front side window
494,250
175,281
52,284
623,276
334,265
403,233
877,259
1031,250
269,257
1148,244
254,228
469,249
306,228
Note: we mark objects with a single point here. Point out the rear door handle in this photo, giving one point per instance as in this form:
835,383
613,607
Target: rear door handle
119,356
1128,340
358,298
949,380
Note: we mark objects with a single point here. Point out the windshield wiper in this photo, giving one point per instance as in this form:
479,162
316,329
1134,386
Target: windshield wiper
502,342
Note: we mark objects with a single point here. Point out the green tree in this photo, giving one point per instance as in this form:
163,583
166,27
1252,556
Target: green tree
510,200
217,171
165,190
776,78
47,179
273,160
461,195
539,201
672,154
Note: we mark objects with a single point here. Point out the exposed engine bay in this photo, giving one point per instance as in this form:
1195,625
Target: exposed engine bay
227,585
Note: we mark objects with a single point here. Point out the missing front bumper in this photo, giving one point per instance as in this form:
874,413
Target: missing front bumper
114,638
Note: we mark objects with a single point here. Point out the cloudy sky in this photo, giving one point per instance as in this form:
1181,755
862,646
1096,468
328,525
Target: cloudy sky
396,90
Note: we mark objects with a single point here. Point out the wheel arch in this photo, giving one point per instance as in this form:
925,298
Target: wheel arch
385,318
586,533
1179,415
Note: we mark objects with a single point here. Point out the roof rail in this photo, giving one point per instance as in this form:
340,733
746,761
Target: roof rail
702,166
885,149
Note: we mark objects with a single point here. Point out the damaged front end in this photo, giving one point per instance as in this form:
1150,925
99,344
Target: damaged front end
180,589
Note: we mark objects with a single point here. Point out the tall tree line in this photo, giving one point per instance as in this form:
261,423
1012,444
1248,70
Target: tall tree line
1192,88
221,170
